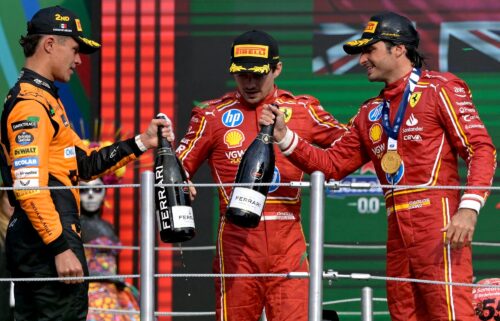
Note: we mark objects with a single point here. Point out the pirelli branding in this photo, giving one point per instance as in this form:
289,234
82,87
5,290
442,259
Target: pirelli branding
26,193
78,25
258,51
371,27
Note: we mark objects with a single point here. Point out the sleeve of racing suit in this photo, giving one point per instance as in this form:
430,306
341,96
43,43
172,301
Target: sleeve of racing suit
194,148
30,169
95,162
470,138
325,128
345,155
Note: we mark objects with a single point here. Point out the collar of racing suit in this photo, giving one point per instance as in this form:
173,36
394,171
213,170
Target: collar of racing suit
28,75
271,98
396,88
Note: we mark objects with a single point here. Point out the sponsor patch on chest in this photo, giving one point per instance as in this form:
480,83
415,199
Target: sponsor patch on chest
69,152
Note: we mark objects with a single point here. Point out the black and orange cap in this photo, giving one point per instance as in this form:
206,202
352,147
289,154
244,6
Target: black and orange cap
388,26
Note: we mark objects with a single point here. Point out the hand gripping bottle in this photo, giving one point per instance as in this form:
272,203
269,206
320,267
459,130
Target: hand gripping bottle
257,166
172,203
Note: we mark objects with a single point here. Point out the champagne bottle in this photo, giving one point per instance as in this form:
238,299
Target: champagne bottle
257,166
172,203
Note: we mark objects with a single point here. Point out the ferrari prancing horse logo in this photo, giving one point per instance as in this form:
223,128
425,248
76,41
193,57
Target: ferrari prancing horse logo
414,98
288,113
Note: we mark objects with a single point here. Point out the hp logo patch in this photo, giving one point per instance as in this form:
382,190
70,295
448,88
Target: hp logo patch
375,113
232,118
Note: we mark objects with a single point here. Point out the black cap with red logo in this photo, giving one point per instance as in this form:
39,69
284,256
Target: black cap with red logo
60,21
254,51
388,26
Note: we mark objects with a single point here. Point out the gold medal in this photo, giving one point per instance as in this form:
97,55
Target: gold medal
391,162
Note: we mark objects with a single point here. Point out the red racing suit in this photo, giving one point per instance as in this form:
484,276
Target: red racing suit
440,124
40,149
220,131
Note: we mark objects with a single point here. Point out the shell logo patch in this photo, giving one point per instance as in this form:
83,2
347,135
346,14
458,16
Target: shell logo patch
375,133
234,138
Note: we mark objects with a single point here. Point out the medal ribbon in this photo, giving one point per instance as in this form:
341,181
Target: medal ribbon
393,131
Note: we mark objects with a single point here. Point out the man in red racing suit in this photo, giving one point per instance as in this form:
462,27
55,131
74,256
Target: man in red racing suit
220,131
427,228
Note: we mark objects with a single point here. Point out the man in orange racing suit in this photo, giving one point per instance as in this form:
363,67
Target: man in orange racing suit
40,149
220,131
413,132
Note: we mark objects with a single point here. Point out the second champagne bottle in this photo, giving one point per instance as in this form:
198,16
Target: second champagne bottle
173,203
257,166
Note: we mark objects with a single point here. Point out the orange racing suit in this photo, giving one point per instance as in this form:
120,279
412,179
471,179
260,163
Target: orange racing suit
39,149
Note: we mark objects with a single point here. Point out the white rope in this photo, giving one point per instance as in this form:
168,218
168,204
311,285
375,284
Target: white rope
136,276
113,311
331,275
225,275
341,301
359,313
354,246
383,247
212,247
111,247
380,299
366,276
352,300
206,313
332,184
72,278
157,248
183,314
187,248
